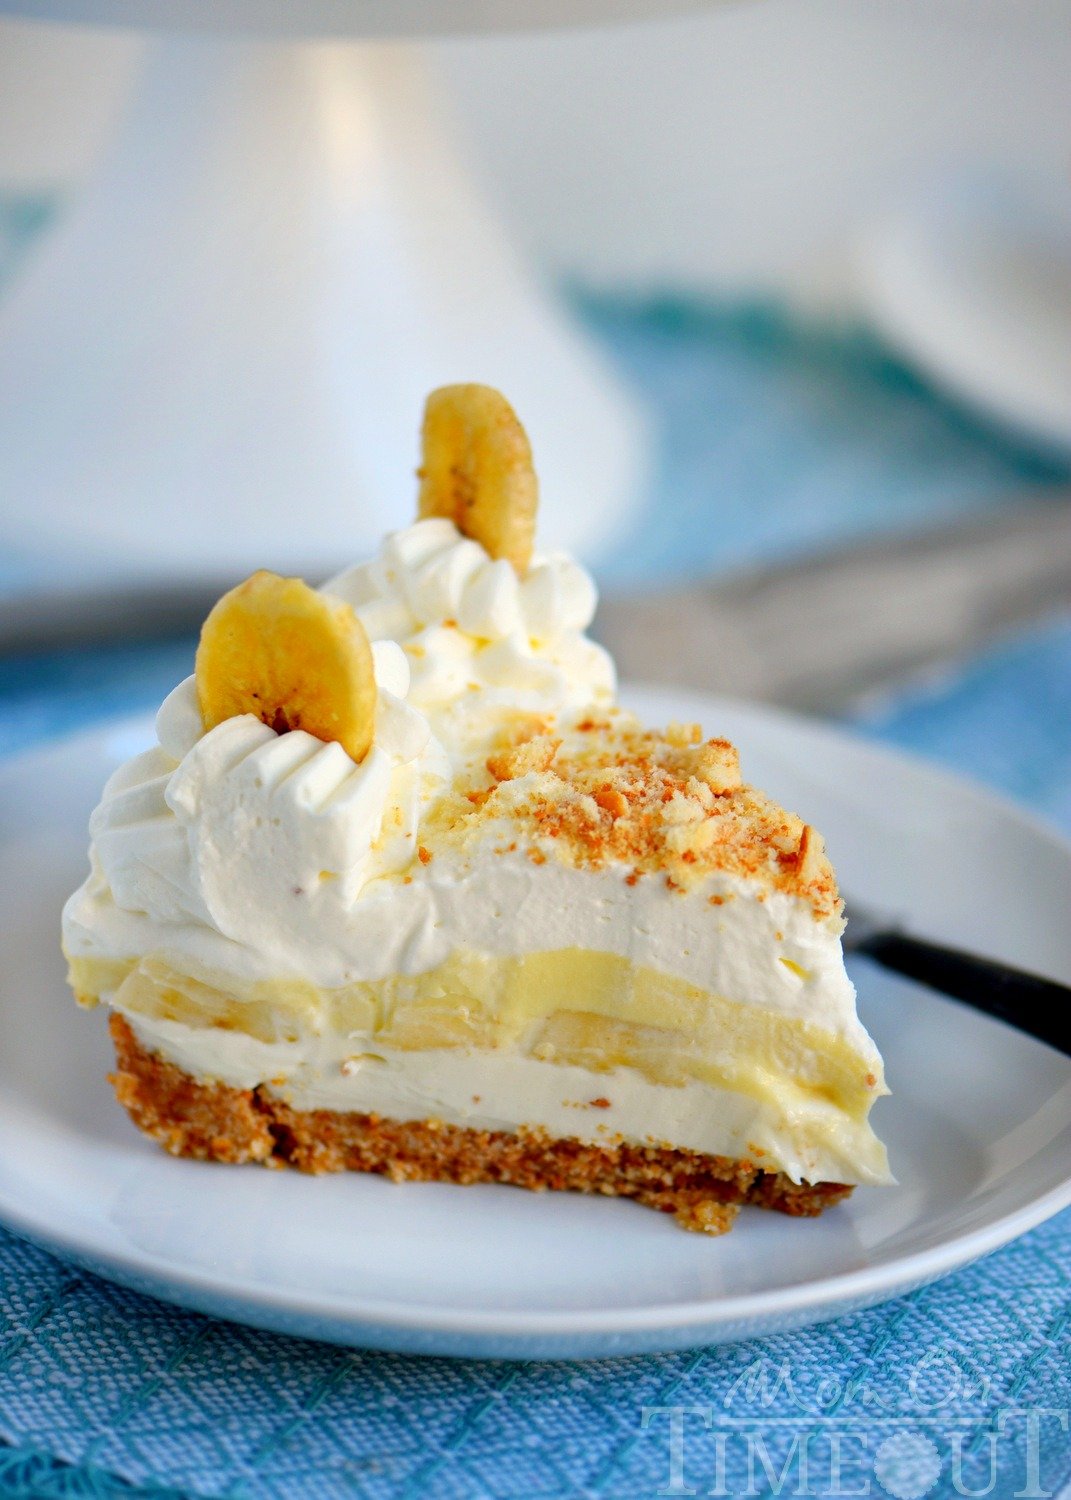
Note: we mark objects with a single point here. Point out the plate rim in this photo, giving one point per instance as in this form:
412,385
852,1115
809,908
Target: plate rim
846,1288
821,1297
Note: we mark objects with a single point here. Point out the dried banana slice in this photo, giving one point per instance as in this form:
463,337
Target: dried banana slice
276,648
476,469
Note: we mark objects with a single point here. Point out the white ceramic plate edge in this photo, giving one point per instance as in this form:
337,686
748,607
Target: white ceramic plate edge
518,1335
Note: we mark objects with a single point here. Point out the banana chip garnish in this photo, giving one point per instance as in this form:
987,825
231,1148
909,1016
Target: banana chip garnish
276,648
476,469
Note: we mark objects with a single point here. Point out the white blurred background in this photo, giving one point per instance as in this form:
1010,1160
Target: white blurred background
743,147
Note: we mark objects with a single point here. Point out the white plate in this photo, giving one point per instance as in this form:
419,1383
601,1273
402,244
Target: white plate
979,1127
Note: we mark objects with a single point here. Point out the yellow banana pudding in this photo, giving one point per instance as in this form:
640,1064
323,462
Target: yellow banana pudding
401,889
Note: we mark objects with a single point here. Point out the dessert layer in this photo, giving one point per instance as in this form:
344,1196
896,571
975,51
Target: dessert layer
490,799
724,935
577,1042
218,1122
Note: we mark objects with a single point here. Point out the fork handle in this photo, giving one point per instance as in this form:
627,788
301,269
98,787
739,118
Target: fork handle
1040,1007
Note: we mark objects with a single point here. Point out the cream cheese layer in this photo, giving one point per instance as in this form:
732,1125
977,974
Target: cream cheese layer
808,1138
800,1094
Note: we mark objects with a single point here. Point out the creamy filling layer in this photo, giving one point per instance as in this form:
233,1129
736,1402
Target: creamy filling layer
664,1055
726,936
490,1090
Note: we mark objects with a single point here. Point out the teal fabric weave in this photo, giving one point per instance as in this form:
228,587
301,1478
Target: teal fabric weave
175,1403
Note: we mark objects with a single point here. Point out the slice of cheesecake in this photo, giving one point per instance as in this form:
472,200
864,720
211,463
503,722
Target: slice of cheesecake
401,890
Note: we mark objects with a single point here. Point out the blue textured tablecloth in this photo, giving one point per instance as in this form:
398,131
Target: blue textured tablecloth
785,438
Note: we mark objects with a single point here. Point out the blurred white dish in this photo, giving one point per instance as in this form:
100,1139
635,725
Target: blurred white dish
364,18
223,347
982,1147
219,357
971,280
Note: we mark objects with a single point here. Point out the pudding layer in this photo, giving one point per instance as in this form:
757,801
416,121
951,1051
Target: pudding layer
212,1121
580,1043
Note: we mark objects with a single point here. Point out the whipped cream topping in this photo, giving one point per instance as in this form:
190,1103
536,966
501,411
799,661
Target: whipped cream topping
245,832
765,951
277,845
480,641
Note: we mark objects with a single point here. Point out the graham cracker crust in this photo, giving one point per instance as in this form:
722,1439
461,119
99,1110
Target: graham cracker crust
212,1122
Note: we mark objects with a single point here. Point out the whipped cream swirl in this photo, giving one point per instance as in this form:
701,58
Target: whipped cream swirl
246,831
275,842
481,642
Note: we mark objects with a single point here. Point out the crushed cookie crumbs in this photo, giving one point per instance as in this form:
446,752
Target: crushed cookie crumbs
536,754
612,801
608,791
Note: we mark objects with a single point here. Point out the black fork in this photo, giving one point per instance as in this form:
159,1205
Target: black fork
1040,1007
